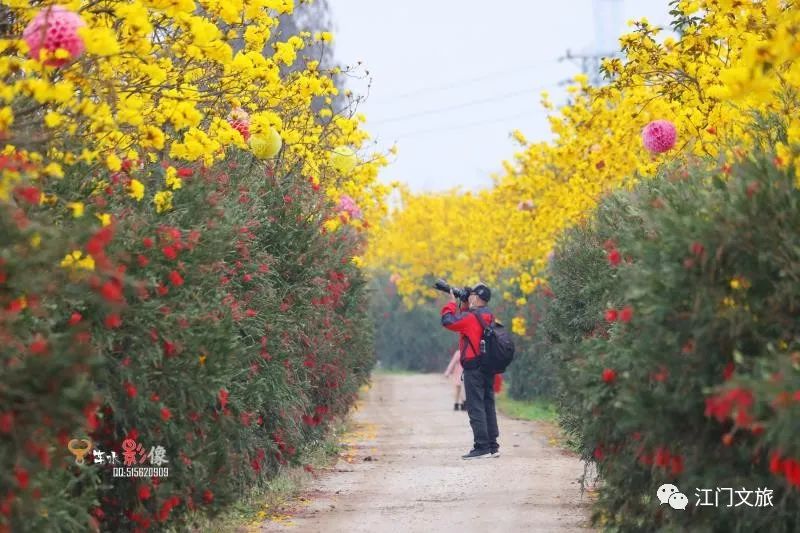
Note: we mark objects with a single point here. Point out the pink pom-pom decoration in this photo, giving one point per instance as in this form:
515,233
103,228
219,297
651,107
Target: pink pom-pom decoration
659,136
239,119
53,28
347,204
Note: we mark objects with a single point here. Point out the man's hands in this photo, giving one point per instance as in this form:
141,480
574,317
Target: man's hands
452,296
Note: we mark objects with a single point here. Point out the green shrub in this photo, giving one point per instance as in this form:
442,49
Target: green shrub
679,360
408,339
230,331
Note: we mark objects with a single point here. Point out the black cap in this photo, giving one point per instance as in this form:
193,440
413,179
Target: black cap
482,291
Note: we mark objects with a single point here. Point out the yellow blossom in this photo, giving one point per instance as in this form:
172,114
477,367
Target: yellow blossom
163,201
77,209
136,190
77,261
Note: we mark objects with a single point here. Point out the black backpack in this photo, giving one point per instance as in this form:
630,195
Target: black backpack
497,347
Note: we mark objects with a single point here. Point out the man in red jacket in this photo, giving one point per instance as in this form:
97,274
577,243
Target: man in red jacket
477,384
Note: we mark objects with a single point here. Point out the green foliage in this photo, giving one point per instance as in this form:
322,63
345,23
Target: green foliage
691,382
406,339
532,374
231,331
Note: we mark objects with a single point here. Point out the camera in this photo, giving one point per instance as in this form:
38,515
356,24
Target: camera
461,294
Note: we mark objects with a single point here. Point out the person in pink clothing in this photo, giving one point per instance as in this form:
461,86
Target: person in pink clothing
454,372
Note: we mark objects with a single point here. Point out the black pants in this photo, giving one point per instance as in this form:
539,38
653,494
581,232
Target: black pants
480,408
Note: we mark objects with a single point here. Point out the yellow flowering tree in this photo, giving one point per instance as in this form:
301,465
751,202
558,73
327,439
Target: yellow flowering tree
730,60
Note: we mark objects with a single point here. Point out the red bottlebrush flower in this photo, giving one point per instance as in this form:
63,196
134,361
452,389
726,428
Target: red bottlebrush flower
661,375
15,306
142,260
775,463
185,172
112,290
38,346
144,492
598,453
611,315
147,242
170,252
162,289
6,422
626,314
165,414
208,496
247,278
130,389
75,318
688,347
99,241
113,321
175,278
29,194
609,375
23,477
251,312
676,465
791,469
727,372
169,349
662,457
697,249
286,198
223,398
614,257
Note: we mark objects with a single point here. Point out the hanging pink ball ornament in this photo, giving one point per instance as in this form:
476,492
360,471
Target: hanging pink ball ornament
659,136
53,28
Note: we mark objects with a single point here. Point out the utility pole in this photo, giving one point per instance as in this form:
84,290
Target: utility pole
607,17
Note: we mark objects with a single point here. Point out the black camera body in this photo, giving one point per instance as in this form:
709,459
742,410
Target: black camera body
461,294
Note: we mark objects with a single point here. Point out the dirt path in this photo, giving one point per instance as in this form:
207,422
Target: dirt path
404,472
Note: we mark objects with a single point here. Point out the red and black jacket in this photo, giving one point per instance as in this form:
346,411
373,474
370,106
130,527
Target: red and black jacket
465,323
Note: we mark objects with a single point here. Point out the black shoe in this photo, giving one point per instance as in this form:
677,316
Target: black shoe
494,449
463,406
455,407
477,454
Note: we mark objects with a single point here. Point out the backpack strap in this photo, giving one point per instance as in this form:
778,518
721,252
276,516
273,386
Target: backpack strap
480,320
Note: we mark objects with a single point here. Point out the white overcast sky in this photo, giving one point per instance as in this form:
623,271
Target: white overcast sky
452,78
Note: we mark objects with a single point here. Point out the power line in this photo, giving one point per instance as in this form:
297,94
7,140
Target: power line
468,81
467,125
463,104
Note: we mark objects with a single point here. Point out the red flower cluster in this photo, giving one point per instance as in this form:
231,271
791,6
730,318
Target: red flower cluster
609,375
735,401
788,467
624,315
